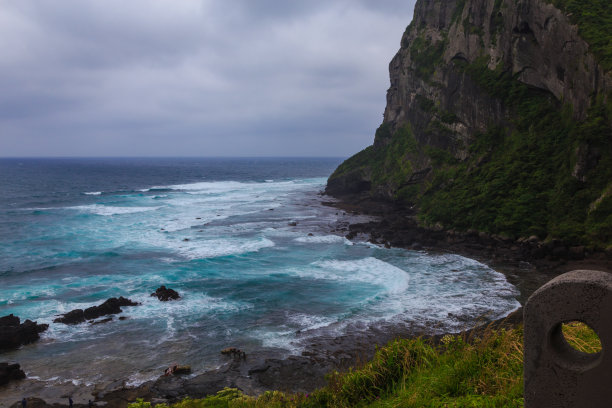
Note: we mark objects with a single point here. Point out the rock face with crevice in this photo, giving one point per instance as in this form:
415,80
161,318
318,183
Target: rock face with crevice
466,67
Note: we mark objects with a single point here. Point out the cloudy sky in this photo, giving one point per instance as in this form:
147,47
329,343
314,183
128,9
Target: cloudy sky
195,77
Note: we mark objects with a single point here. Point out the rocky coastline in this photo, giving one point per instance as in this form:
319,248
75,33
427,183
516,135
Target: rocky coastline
527,264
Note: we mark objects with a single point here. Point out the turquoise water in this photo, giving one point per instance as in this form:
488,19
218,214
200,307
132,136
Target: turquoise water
246,242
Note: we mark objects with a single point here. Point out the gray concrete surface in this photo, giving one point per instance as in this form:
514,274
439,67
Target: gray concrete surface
557,375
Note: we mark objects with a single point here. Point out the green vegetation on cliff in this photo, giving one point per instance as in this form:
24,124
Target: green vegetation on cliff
392,162
478,371
594,19
537,170
519,178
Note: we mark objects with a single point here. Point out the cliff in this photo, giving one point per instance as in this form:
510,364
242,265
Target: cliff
498,119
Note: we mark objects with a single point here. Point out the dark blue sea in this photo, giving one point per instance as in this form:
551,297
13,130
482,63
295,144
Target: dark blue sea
247,244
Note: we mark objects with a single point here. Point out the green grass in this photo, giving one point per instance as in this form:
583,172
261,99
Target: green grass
484,371
581,337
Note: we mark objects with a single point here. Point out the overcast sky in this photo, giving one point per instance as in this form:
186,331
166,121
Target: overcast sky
195,77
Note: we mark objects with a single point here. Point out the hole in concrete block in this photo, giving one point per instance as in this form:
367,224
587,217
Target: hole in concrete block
568,339
581,337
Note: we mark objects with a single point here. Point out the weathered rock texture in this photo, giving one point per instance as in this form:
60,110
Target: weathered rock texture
165,294
530,38
110,306
468,68
13,333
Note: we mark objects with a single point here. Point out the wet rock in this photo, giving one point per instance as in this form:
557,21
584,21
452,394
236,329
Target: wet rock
94,322
292,224
10,372
110,306
72,317
184,369
13,333
259,369
177,370
9,320
234,352
165,294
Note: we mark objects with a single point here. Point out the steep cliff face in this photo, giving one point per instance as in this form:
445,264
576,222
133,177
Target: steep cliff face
497,119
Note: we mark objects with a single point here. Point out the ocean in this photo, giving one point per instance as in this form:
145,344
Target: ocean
256,257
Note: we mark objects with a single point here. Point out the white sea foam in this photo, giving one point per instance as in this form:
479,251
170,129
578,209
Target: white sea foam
278,337
94,193
323,239
221,247
367,270
105,210
310,322
190,304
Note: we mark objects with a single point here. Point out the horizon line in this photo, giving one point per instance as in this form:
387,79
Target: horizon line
173,157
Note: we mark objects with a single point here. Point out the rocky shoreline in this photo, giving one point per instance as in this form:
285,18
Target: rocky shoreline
527,264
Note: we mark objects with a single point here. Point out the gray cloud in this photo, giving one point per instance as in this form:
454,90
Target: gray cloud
187,77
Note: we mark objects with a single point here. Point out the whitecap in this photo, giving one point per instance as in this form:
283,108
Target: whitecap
310,322
105,210
367,270
323,239
204,186
94,193
279,337
222,247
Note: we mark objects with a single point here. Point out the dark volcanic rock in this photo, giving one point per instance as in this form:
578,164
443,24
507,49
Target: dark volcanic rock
165,294
13,333
111,306
73,317
9,372
9,320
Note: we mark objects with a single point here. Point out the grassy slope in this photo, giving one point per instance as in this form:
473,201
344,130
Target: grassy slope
477,372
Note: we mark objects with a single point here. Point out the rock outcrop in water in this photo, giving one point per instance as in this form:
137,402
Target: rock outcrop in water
111,306
499,120
165,294
13,333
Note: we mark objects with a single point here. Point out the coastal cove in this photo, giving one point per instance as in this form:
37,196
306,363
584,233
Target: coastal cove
260,260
